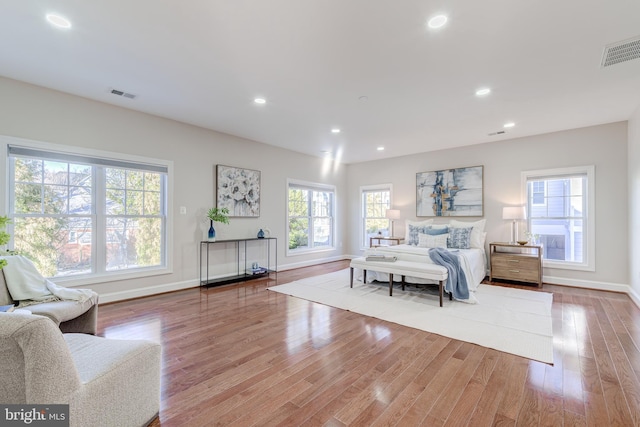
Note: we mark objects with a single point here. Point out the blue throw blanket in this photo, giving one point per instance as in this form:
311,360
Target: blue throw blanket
457,281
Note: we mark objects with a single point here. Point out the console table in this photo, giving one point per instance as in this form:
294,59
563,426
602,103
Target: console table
244,270
398,240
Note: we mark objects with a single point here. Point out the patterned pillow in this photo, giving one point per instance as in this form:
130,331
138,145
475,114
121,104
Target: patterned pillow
459,238
431,241
413,232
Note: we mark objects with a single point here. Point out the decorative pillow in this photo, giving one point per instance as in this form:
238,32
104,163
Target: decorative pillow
477,234
435,230
413,228
432,241
459,238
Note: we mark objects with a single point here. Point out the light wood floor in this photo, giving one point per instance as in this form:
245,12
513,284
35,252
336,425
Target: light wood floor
242,355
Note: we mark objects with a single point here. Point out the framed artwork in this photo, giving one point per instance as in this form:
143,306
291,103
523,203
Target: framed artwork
450,192
238,190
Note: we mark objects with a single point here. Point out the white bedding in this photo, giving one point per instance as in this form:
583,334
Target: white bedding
473,263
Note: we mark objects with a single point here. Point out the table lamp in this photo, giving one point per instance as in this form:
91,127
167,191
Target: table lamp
514,213
392,214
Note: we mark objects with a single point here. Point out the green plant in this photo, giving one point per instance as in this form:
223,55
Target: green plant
219,215
4,236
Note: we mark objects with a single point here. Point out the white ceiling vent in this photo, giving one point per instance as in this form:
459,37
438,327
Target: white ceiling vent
623,51
122,93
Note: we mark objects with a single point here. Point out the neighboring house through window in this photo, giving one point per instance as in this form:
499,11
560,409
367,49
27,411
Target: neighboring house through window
560,206
310,217
375,200
85,214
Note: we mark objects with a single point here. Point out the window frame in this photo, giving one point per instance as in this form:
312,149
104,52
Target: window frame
312,186
588,228
363,218
101,274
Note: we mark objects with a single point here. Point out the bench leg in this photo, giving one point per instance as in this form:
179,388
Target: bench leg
403,283
390,284
364,276
440,291
351,279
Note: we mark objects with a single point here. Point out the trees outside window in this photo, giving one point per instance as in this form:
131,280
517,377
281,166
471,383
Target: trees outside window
79,215
375,201
310,217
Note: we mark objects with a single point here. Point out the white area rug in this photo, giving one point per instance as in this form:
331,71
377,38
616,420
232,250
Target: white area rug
515,321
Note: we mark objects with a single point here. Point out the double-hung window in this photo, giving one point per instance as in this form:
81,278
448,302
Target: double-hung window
79,215
310,216
560,206
375,200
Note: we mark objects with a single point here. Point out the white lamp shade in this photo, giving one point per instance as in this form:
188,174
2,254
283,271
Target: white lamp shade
392,214
514,212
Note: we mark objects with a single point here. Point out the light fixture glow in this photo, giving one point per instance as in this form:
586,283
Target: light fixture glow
437,21
380,148
260,101
483,91
58,21
509,125
335,130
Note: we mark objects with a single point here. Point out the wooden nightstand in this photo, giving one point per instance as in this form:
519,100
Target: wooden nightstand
398,240
521,263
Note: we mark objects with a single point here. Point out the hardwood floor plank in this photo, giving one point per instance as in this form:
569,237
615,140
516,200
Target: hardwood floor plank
243,355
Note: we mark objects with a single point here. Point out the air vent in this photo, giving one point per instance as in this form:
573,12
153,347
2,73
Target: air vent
122,93
500,132
623,51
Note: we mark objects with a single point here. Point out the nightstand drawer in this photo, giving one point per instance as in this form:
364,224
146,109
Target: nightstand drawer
515,273
514,262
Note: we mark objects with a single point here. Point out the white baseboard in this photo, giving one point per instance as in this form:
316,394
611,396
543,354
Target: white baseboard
145,292
587,284
291,266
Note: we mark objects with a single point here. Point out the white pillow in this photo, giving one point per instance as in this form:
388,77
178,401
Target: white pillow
477,234
429,241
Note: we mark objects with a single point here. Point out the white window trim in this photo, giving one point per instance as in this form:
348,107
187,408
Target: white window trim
589,232
319,186
363,188
5,141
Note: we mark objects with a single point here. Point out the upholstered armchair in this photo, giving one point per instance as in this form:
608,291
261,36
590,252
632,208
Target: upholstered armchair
105,382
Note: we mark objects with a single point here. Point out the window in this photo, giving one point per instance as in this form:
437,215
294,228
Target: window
538,193
77,215
561,215
375,202
310,217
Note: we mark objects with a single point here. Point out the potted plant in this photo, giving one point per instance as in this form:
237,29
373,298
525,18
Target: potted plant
216,215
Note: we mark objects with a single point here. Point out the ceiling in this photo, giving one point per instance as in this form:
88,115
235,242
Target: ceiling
371,68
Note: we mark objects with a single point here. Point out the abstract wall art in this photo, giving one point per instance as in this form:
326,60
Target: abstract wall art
238,190
450,192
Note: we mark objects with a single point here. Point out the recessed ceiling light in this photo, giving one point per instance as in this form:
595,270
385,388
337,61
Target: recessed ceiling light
335,130
437,21
509,125
260,101
380,149
58,21
483,91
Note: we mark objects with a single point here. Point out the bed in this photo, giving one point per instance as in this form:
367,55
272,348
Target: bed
465,238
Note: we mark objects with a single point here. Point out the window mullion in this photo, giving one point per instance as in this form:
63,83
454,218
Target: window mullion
98,198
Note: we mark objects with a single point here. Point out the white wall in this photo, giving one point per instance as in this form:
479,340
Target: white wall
35,113
634,204
603,146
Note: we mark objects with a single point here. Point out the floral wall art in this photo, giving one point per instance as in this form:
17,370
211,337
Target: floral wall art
450,192
238,190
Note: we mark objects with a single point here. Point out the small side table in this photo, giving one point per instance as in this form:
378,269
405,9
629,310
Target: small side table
511,261
398,240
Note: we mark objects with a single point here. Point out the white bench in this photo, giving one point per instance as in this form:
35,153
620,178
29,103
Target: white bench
402,268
